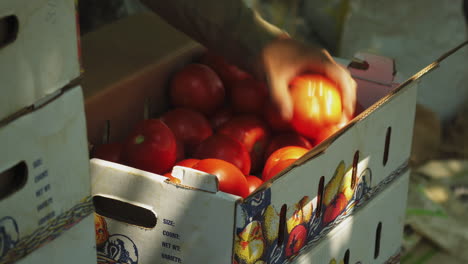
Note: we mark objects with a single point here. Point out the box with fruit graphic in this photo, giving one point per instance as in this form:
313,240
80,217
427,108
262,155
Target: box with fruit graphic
39,51
46,214
143,217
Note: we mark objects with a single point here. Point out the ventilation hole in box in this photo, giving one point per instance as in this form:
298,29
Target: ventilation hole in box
320,196
8,30
387,145
282,225
124,212
13,179
346,257
354,170
378,234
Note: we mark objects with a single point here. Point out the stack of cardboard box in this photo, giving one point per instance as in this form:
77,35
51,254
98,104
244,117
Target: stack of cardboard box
45,205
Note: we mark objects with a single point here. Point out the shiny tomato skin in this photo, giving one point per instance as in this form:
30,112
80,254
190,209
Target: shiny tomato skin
109,151
189,163
253,133
317,104
151,146
189,126
198,87
226,148
228,72
272,116
253,182
284,153
277,168
231,179
248,96
285,139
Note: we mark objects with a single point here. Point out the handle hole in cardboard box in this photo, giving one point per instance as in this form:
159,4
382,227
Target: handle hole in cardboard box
320,196
8,30
282,224
346,257
124,212
354,170
13,179
387,145
378,235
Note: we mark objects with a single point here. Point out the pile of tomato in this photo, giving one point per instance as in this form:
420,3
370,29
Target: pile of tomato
222,122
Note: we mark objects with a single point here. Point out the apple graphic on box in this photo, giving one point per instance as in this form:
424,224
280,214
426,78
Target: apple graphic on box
100,228
298,214
297,239
335,208
250,243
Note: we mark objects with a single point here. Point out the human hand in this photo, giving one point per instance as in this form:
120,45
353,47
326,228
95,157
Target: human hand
285,58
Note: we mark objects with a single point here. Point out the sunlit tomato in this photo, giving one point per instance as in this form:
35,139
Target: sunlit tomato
226,148
109,151
220,117
171,178
188,126
253,133
187,162
317,104
248,96
325,132
198,87
273,117
231,179
151,146
228,72
284,153
285,139
253,182
277,168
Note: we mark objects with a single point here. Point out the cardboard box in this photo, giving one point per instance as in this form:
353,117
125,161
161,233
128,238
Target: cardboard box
153,220
45,205
39,51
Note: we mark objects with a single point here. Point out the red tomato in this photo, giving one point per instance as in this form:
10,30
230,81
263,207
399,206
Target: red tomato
188,126
231,179
253,133
220,117
317,104
110,152
284,153
287,139
277,168
227,72
253,182
197,87
325,132
187,163
248,96
171,178
222,147
151,146
180,150
273,117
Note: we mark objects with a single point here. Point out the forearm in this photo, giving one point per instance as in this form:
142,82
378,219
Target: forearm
227,27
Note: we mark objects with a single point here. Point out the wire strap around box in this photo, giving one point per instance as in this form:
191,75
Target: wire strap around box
46,233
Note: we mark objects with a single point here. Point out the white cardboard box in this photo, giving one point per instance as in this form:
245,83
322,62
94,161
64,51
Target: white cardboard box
45,205
194,223
39,51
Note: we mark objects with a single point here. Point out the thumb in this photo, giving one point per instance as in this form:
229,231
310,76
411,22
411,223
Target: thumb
281,97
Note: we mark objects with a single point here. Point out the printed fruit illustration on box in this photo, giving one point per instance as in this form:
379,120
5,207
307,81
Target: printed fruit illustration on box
115,248
259,238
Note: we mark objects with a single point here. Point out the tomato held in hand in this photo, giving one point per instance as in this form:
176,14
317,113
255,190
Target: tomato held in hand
222,147
253,133
109,151
317,104
197,87
151,146
188,126
285,153
231,180
253,182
